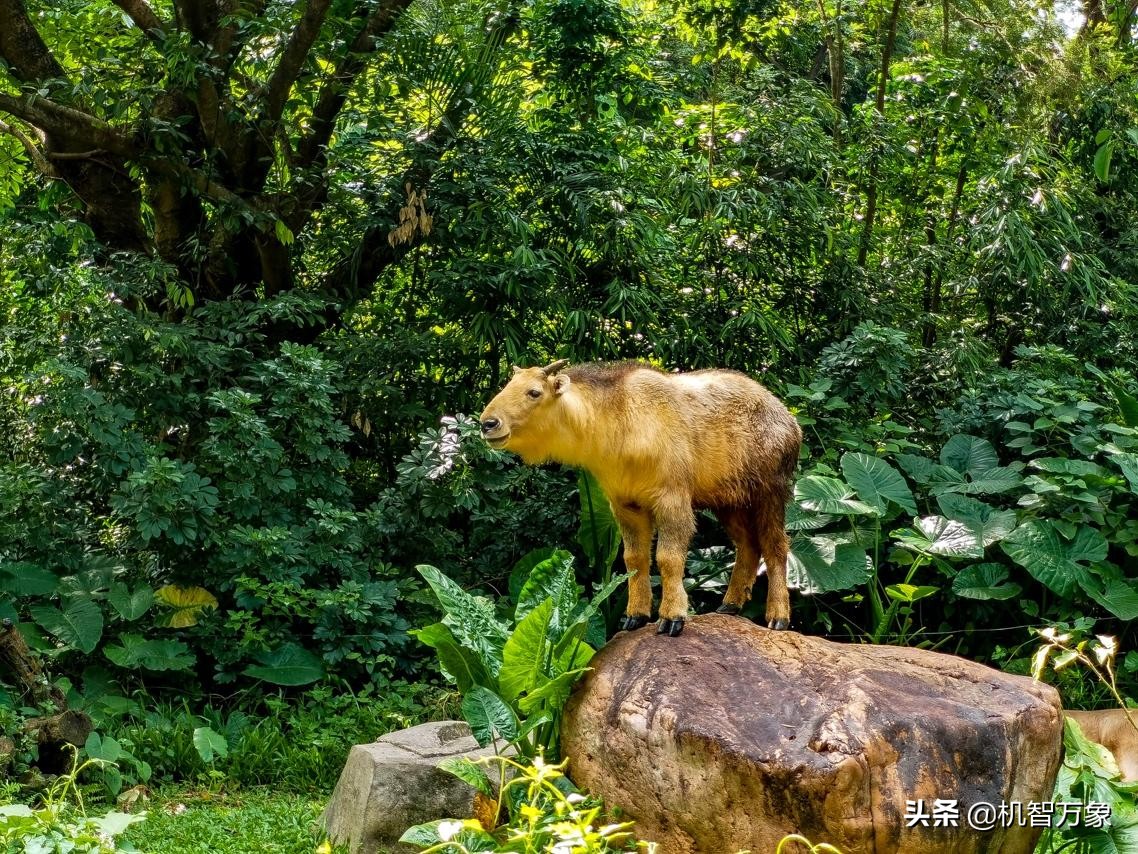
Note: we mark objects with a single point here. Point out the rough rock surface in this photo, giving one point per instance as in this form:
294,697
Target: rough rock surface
731,736
388,786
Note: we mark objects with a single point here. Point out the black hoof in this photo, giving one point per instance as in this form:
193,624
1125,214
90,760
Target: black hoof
779,625
671,628
631,624
726,608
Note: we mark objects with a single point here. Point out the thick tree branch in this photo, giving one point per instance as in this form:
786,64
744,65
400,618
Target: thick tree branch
293,57
375,253
67,123
34,152
22,47
334,93
144,18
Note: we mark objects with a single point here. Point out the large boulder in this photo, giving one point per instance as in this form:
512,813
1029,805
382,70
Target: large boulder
731,736
388,786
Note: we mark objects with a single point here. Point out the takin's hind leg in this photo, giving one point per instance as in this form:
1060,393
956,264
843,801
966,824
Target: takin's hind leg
740,525
636,531
771,529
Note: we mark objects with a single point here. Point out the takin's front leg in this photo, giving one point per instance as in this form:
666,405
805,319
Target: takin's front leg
636,531
676,524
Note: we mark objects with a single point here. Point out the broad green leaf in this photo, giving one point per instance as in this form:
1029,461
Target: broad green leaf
532,722
944,478
918,468
545,580
572,652
590,611
1127,406
27,579
936,535
1129,465
819,564
1037,547
523,567
187,603
210,745
289,664
1102,160
424,835
115,823
134,650
599,534
877,483
798,519
969,454
1088,544
470,618
488,716
1118,597
990,482
130,606
523,657
469,772
1107,585
80,625
106,749
984,581
1062,465
1080,752
829,495
986,522
552,693
460,664
909,592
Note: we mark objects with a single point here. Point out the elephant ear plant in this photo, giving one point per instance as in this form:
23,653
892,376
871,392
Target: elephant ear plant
515,677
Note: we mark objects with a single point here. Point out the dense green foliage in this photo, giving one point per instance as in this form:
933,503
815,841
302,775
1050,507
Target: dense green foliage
515,678
249,260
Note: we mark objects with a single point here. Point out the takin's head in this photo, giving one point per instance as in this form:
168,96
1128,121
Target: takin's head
519,412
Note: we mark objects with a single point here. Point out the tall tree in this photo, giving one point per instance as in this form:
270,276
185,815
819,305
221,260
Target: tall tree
200,134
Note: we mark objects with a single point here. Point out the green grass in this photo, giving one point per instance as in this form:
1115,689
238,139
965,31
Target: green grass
249,821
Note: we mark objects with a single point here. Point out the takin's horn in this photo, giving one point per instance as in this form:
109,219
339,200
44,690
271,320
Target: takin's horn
550,369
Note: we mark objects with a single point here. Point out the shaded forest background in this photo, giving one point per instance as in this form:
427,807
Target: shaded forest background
252,251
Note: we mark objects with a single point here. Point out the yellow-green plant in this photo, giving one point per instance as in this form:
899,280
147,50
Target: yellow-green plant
544,813
1063,649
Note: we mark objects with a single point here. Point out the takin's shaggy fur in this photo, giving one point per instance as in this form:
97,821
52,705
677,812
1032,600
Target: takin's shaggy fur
662,446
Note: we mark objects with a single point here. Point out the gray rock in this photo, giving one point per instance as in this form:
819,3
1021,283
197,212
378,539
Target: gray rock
388,786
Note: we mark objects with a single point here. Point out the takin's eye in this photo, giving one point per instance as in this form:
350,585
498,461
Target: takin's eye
535,393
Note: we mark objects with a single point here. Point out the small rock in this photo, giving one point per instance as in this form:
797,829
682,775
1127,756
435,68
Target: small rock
732,736
393,784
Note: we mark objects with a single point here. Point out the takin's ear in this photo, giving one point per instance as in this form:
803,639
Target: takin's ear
560,384
515,369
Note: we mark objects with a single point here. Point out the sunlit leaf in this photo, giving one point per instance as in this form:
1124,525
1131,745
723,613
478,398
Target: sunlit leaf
984,581
877,483
187,604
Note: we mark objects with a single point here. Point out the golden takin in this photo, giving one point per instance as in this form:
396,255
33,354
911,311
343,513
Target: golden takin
662,446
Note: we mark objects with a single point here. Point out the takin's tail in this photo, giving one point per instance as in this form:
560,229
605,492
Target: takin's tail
787,469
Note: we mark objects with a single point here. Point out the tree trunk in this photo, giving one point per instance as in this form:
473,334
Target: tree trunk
875,163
